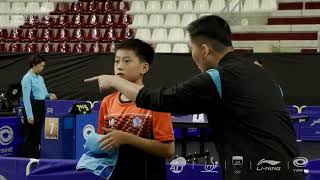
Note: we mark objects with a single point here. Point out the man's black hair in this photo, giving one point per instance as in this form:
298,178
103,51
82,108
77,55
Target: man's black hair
211,29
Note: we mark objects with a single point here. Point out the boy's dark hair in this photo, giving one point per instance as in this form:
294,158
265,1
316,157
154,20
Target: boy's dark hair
211,29
37,59
142,49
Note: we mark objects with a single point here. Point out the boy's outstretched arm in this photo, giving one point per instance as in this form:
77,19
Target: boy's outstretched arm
115,138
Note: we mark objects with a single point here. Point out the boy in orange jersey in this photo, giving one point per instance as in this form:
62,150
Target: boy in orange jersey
144,138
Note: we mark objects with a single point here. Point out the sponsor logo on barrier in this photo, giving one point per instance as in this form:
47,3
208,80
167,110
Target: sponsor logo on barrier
264,165
177,165
6,150
237,163
51,127
88,129
299,163
210,168
268,165
6,135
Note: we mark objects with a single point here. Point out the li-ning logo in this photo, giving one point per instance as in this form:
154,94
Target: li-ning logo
88,129
6,135
270,165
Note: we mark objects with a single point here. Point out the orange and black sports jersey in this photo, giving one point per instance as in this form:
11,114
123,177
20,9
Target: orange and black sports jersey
134,163
126,116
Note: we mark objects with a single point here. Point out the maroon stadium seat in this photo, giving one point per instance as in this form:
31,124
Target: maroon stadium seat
63,48
31,35
78,35
61,8
16,35
96,47
3,34
47,21
62,35
94,35
79,48
122,6
108,21
91,7
110,35
106,7
76,8
15,47
76,21
31,48
3,48
47,35
93,21
124,20
31,21
62,21
126,33
46,47
110,47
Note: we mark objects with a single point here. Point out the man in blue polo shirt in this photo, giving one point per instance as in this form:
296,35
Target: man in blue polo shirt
34,93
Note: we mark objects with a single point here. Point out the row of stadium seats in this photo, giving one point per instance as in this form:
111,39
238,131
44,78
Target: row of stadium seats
63,26
62,35
61,47
63,7
200,6
179,35
298,5
93,20
176,20
84,47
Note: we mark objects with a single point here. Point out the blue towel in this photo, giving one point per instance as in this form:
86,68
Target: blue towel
101,163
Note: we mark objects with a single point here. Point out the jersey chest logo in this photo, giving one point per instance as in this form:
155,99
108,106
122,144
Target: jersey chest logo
111,121
136,122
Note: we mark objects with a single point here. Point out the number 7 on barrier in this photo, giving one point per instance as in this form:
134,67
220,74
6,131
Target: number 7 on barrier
51,128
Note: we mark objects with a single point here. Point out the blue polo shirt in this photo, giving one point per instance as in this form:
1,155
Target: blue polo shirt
33,88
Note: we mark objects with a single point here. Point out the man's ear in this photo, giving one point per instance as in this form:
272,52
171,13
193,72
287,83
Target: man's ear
205,50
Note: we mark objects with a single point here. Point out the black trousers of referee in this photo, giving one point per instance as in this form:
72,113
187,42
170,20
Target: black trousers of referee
32,133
